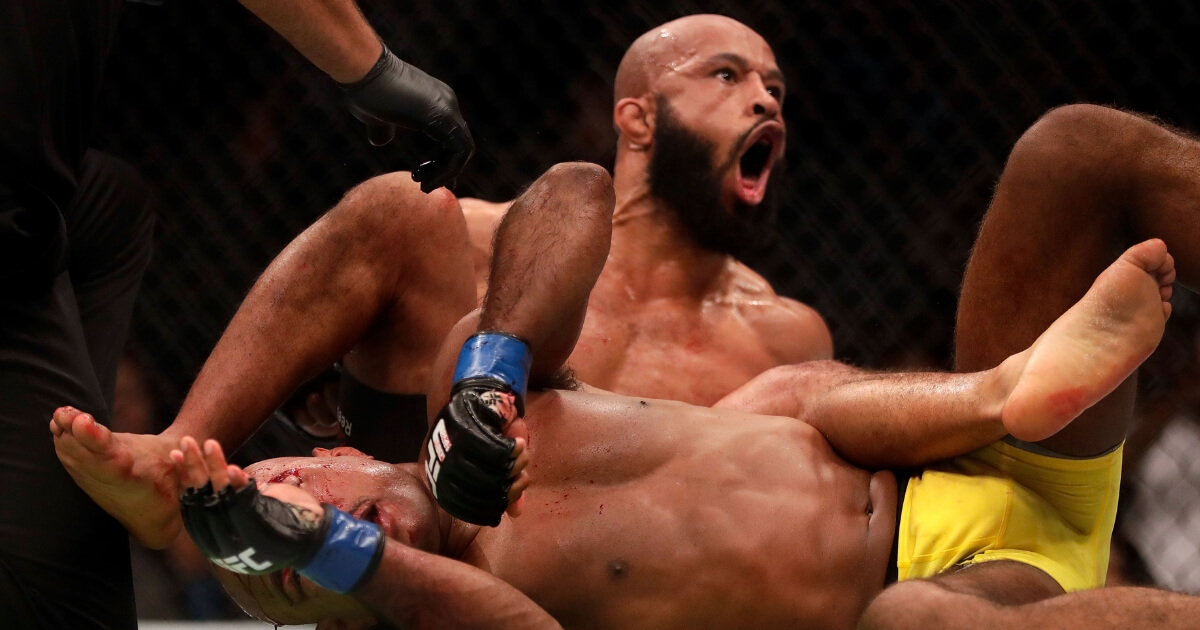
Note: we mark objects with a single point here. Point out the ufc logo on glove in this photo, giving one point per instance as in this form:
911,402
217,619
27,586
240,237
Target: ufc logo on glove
439,445
243,562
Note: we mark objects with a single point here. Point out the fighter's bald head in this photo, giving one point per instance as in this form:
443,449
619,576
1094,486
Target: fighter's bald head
665,48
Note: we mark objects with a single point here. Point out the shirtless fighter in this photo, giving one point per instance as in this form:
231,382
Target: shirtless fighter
698,111
674,316
654,514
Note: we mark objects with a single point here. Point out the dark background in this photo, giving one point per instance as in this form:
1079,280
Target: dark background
900,116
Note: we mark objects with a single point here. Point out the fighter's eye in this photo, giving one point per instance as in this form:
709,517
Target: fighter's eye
776,92
725,74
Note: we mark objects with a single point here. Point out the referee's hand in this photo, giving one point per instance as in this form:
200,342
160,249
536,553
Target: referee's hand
397,94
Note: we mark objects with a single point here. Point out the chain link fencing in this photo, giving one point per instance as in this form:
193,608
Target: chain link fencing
900,114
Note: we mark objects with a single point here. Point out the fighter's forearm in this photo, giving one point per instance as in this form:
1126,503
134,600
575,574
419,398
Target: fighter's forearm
332,34
881,419
549,251
413,589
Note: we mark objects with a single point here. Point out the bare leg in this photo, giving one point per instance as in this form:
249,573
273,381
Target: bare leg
387,269
1080,185
1011,596
879,419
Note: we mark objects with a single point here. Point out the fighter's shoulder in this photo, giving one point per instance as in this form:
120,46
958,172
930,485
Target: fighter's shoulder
482,218
794,331
479,210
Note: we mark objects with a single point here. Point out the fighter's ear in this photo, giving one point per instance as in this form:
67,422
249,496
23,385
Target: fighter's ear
634,118
341,451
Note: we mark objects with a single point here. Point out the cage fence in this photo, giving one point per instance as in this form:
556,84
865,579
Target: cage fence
900,117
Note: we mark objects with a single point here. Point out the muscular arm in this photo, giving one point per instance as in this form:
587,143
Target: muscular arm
882,419
332,34
413,589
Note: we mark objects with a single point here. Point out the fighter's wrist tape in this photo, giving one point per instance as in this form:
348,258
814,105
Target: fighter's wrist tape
349,555
495,355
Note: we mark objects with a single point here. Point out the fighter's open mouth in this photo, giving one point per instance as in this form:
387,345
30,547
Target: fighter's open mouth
754,160
763,148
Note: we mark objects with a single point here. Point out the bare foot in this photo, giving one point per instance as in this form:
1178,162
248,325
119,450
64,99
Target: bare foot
130,476
1089,350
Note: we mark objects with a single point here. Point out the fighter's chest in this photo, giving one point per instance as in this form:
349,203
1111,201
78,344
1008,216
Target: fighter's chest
691,353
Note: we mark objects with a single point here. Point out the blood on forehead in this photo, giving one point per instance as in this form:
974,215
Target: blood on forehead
286,476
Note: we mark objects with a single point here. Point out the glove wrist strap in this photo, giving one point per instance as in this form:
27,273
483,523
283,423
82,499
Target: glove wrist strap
496,355
349,555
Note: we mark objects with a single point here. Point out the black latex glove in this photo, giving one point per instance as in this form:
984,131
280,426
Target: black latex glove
397,94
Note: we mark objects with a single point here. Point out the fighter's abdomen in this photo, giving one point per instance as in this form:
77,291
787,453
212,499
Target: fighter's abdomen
748,517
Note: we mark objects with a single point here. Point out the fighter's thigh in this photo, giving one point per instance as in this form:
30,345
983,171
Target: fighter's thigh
980,596
419,243
1053,225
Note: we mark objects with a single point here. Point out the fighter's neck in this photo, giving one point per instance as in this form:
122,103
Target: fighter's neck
652,253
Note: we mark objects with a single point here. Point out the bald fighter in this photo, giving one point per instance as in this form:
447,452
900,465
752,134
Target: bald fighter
698,111
651,514
673,315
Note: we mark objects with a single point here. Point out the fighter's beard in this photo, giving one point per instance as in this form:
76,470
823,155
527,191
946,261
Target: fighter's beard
683,177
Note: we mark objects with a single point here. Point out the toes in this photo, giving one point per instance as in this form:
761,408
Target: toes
94,436
62,418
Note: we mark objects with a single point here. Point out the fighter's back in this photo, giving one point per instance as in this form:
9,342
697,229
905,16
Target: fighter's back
655,514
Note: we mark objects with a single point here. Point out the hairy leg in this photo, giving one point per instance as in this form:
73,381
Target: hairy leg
1011,596
386,273
880,419
1083,183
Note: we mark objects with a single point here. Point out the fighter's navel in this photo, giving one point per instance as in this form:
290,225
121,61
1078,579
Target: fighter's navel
618,569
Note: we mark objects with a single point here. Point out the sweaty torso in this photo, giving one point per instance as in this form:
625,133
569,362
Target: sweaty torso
676,344
650,514
692,349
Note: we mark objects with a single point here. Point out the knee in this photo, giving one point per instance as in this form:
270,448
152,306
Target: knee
912,605
582,179
922,604
1081,134
389,214
395,195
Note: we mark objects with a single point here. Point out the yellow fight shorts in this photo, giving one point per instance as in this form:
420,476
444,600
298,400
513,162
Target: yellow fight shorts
1003,503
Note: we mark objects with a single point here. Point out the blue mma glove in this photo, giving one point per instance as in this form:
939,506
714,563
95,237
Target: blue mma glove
470,459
